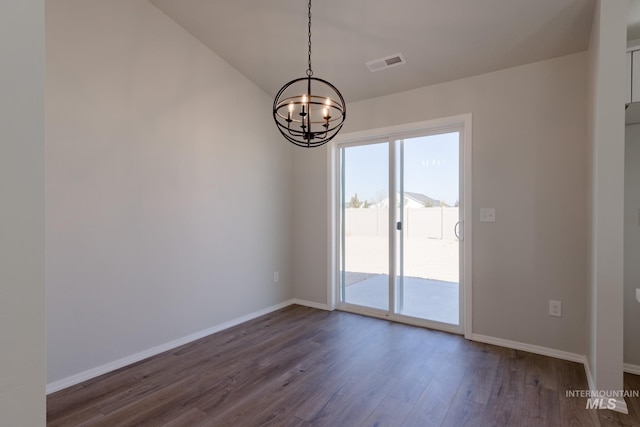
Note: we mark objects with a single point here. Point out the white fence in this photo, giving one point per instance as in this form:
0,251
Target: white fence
429,223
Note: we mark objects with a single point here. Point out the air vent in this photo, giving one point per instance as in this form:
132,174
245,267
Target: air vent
387,62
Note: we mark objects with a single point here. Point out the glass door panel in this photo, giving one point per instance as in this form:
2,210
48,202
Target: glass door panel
429,194
364,208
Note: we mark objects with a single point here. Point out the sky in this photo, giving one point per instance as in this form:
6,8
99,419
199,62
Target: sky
431,167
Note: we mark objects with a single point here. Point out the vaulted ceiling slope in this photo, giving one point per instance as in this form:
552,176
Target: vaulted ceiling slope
441,40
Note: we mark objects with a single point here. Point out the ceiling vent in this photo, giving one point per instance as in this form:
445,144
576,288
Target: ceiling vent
387,62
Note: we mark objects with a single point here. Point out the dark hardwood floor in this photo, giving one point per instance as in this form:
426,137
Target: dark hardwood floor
305,367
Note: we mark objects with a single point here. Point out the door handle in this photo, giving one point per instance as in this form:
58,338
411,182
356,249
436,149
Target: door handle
456,229
399,226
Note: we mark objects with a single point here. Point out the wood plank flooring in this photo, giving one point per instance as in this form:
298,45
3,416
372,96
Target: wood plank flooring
305,367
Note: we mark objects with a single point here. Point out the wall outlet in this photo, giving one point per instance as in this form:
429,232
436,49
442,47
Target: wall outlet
555,308
487,215
638,294
276,277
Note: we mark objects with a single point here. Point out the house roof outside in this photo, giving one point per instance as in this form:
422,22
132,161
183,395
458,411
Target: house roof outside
422,199
412,200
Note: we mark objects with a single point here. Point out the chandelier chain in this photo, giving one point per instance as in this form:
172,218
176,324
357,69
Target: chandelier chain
309,70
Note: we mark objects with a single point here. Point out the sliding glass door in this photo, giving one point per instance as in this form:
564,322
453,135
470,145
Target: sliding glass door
400,227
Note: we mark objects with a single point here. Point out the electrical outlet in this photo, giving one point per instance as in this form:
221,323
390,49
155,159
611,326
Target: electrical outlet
276,277
638,294
555,308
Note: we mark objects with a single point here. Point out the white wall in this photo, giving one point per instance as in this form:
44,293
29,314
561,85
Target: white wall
167,186
606,69
310,225
631,244
529,162
22,327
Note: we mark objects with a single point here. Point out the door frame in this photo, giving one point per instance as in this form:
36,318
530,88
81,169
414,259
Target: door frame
461,123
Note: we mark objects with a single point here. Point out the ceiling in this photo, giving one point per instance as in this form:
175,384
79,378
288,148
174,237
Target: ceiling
441,40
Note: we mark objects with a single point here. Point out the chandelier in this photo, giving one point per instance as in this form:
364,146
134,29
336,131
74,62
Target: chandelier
309,111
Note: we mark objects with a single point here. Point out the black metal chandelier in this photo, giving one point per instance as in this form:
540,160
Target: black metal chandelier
309,118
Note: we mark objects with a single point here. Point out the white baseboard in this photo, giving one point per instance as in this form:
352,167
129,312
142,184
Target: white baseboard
621,405
631,369
311,304
544,351
117,364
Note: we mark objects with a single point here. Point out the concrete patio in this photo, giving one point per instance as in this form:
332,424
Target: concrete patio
429,299
431,281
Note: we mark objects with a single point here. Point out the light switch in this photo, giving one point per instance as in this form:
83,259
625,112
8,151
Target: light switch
487,215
